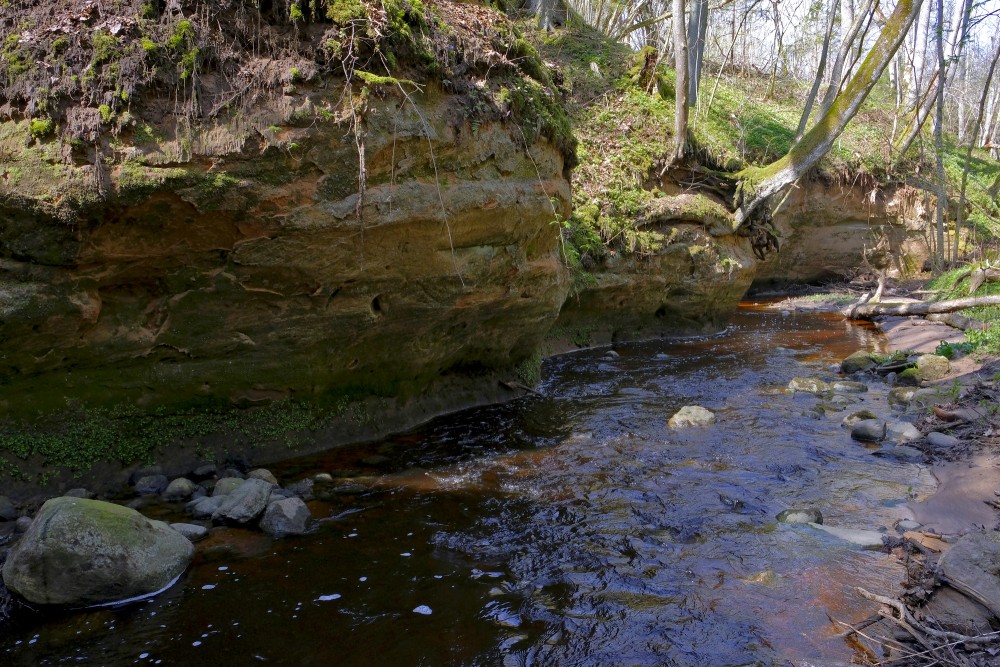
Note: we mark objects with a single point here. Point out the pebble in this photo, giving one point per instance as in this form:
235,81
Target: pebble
23,524
807,515
423,609
902,432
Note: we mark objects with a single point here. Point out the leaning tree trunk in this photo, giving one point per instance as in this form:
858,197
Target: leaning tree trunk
681,86
756,184
820,69
941,199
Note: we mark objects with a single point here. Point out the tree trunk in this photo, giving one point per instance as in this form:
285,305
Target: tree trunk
757,184
866,311
848,33
917,57
681,85
820,70
968,151
697,29
941,199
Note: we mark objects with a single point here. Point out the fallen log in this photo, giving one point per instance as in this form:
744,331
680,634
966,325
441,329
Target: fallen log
981,275
958,321
867,311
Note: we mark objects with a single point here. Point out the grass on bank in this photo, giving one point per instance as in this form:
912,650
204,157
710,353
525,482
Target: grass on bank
982,342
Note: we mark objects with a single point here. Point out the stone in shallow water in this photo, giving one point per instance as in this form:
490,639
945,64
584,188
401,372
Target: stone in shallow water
902,432
204,508
81,551
264,474
859,361
808,515
192,531
179,489
151,485
245,504
869,430
691,415
808,385
861,415
901,453
286,517
846,387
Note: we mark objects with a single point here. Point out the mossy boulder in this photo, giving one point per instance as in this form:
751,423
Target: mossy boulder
932,367
860,361
808,385
82,552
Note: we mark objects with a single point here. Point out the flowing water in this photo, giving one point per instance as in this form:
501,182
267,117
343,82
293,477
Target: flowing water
568,528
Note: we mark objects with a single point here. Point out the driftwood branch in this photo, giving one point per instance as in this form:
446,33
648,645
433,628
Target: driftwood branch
866,311
958,321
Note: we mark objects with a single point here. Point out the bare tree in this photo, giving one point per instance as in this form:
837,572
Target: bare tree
681,87
820,70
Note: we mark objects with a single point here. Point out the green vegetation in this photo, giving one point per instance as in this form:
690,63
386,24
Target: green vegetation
983,342
42,127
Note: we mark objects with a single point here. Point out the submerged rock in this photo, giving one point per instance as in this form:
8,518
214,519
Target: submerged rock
80,552
869,430
808,515
901,453
861,360
866,539
691,415
286,517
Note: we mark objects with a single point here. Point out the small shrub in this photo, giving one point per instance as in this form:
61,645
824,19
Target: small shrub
105,111
41,127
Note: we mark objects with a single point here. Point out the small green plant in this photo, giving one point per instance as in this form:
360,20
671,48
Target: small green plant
41,127
274,129
105,47
295,72
148,45
105,112
948,349
295,13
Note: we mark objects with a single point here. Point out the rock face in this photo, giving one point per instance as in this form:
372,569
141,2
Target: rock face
80,552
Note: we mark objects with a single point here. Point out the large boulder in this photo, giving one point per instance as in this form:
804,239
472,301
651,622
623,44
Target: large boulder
932,367
245,504
81,552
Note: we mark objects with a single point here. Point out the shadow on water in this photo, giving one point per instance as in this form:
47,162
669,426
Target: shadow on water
568,528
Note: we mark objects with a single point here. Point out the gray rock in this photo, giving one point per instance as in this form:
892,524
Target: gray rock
191,531
971,565
902,432
80,551
611,354
942,440
264,474
227,485
323,478
847,387
78,493
913,397
905,525
807,515
139,473
866,539
7,510
841,401
861,415
23,524
245,504
204,508
179,489
281,494
286,517
859,361
932,367
808,385
869,430
691,415
303,489
204,471
901,453
151,485
957,613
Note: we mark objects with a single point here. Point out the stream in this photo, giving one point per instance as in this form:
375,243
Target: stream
570,527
